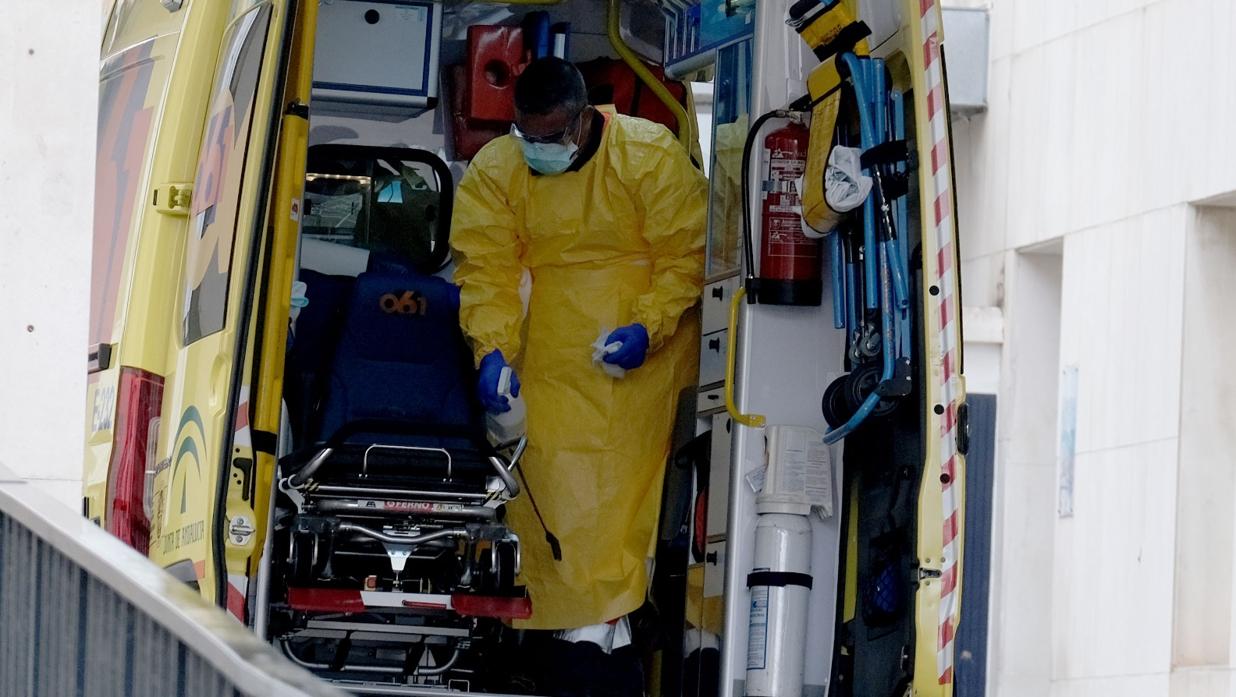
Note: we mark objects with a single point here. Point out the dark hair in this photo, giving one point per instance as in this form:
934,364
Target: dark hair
548,84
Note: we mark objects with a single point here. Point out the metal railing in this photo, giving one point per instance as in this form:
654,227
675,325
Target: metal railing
82,614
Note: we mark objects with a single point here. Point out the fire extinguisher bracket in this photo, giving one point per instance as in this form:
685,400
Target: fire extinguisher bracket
801,293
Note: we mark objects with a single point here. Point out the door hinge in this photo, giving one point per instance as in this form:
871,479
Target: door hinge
173,199
299,109
99,358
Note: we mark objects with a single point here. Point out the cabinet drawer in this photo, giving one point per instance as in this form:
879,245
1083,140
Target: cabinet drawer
711,401
713,350
717,298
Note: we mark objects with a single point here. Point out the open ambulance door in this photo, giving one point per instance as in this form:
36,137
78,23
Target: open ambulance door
247,521
871,364
203,505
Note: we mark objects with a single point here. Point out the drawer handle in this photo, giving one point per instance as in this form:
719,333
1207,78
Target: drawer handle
715,345
711,557
718,292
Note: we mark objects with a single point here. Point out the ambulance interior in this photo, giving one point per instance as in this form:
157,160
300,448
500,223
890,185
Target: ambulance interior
391,567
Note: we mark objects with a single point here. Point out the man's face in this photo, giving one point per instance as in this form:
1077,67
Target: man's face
558,126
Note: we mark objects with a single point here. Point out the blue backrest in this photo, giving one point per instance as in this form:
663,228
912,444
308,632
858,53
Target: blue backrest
401,356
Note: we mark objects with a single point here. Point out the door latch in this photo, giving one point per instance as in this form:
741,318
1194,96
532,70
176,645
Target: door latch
173,199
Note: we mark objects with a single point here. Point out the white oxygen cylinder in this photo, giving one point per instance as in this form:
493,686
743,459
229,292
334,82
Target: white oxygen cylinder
780,579
509,425
777,630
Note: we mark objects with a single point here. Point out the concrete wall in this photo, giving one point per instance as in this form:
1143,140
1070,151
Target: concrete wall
48,94
1088,196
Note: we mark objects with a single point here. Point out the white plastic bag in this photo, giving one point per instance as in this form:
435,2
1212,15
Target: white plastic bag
845,185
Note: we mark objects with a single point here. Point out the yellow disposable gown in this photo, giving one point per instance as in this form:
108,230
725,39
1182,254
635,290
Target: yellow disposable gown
619,241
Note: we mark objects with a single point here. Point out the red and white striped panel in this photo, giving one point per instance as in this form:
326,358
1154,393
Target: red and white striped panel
946,337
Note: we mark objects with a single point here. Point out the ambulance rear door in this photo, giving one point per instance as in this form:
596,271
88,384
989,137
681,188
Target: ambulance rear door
208,404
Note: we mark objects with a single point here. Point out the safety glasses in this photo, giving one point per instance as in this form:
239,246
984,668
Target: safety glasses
563,137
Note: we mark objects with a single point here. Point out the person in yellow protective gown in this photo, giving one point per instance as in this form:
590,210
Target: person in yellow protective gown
606,214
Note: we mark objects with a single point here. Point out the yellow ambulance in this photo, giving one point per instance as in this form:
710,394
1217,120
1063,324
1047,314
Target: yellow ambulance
275,180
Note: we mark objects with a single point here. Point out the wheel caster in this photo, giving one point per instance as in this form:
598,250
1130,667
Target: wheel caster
861,383
498,568
507,563
307,555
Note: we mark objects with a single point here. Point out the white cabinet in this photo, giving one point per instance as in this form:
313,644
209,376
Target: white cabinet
377,53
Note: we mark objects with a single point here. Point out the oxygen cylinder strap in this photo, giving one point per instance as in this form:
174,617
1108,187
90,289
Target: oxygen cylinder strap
779,579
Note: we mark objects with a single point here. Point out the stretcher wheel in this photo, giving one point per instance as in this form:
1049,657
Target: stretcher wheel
498,566
506,566
860,383
302,556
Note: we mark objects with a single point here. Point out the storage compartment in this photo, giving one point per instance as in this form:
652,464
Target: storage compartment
378,53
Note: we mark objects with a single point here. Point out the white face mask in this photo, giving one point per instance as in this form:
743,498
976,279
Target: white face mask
549,158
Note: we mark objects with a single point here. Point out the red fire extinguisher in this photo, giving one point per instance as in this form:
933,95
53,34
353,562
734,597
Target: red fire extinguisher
790,263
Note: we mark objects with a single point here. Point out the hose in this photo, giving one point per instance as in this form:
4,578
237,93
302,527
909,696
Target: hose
745,175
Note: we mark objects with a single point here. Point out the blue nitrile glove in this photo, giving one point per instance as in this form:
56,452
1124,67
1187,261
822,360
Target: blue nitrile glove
634,349
487,383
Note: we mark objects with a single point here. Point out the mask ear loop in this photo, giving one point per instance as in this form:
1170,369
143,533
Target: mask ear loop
579,125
